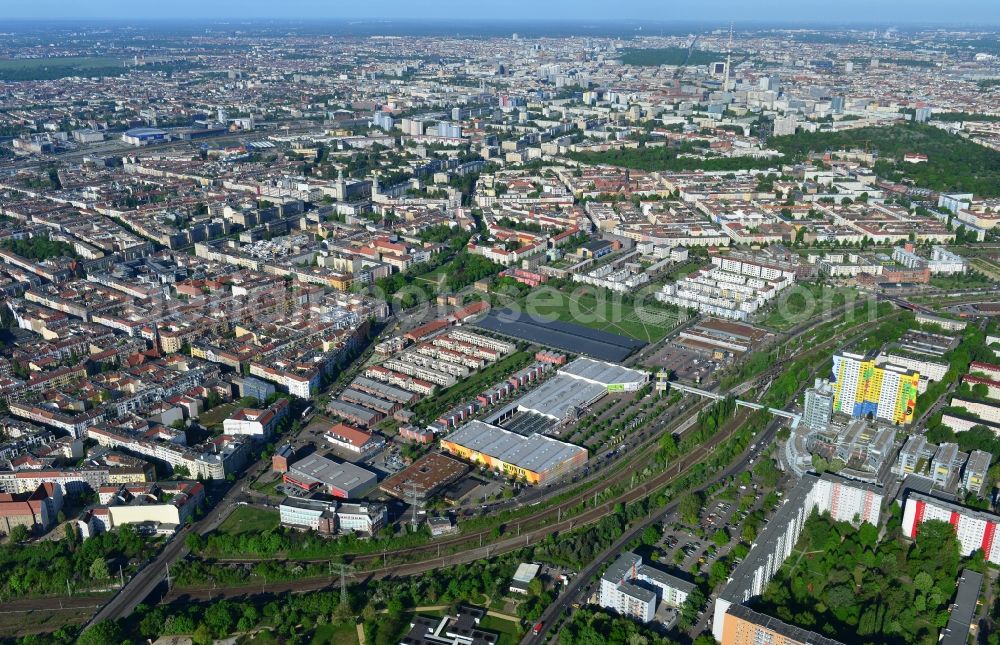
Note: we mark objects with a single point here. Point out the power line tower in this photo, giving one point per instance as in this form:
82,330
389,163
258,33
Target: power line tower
344,569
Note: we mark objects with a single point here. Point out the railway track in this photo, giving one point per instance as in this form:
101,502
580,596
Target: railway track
551,516
548,516
532,536
534,527
498,547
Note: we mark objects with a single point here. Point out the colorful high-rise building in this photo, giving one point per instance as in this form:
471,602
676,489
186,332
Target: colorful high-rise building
861,388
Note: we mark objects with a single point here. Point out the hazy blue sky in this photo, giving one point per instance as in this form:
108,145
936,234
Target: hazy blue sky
980,12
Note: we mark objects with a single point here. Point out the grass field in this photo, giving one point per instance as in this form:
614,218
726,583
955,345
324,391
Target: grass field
432,280
345,634
510,633
218,414
802,301
682,270
268,487
988,268
247,519
601,309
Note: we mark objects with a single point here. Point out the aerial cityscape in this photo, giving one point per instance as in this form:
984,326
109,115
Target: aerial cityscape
412,325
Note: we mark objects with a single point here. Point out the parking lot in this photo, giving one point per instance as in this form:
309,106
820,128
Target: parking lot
686,364
690,550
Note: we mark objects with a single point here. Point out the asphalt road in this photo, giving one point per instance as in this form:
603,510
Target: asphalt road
571,593
154,574
486,549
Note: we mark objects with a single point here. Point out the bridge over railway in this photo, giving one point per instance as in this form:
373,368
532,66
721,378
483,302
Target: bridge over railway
791,416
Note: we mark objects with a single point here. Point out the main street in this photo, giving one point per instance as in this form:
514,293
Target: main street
571,593
154,574
763,442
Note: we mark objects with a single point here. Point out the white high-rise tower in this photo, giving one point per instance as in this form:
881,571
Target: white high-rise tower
729,61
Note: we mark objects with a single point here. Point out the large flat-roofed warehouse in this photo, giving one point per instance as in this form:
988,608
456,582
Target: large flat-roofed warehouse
424,477
566,336
536,458
340,480
560,396
576,386
717,335
614,377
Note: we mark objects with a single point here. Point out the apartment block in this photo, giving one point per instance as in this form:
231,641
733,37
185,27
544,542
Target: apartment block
844,499
633,589
863,388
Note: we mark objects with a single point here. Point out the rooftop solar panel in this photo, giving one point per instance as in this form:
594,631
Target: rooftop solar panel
569,337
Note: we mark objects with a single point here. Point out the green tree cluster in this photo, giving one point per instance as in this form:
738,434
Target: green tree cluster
39,248
588,627
46,566
954,164
660,158
850,585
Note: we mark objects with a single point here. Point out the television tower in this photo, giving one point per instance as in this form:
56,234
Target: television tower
729,60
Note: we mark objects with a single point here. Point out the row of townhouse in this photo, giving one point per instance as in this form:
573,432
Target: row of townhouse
399,379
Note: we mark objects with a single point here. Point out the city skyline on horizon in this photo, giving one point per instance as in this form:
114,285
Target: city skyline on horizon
981,12
650,322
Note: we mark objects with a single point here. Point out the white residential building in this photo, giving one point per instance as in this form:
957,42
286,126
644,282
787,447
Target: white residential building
818,409
844,499
332,516
941,262
985,411
931,370
915,454
945,262
975,471
258,424
633,589
974,529
732,288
